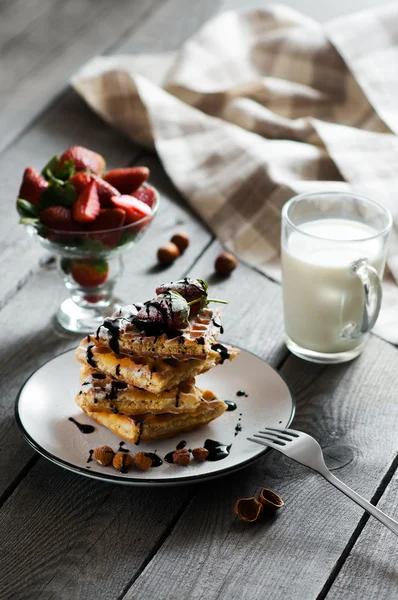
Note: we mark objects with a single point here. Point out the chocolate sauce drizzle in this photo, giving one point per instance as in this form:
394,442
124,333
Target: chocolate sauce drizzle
90,456
156,460
231,405
222,350
115,387
121,449
113,326
242,393
82,427
123,468
117,371
90,357
141,425
217,324
98,376
217,450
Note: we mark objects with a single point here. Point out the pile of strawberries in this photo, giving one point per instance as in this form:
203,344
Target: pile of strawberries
71,195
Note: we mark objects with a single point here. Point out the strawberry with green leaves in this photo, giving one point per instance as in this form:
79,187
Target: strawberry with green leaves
83,160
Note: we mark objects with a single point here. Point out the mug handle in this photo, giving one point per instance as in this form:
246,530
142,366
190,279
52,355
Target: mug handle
372,299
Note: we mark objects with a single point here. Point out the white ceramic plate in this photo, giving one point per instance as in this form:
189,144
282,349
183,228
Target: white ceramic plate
46,402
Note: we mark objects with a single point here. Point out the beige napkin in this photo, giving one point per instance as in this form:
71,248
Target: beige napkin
260,105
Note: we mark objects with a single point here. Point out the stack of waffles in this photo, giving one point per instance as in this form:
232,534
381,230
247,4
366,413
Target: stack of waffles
142,387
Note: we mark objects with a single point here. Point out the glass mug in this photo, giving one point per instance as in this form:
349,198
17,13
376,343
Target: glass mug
334,248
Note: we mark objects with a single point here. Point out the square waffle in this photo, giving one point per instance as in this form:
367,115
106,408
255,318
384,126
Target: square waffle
195,341
149,427
152,374
100,393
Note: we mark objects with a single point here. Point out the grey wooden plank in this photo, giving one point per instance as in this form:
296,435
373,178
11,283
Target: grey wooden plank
211,554
46,42
65,537
370,570
26,321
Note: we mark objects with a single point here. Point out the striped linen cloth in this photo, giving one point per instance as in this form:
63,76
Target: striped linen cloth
258,106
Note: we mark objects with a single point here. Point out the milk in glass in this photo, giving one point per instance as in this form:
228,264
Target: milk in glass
321,294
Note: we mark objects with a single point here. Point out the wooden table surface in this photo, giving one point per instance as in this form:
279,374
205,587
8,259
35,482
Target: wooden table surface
63,536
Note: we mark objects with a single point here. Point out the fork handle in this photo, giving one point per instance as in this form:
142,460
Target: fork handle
373,510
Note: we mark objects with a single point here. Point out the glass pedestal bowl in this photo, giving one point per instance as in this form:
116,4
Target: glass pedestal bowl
90,264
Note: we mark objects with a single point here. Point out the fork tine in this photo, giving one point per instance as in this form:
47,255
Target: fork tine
276,434
263,443
273,439
292,432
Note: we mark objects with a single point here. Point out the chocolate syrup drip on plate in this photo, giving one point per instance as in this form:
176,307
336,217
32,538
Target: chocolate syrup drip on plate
181,445
114,329
231,405
217,450
121,449
90,455
156,460
82,427
222,350
238,429
90,357
242,393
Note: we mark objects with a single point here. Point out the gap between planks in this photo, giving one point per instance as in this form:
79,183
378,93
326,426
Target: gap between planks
358,530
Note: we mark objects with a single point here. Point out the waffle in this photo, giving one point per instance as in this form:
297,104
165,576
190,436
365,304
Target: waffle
151,374
100,393
195,341
149,427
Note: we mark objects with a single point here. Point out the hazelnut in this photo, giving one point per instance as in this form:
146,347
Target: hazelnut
181,240
168,253
122,461
200,454
104,455
225,263
181,457
142,461
249,509
270,499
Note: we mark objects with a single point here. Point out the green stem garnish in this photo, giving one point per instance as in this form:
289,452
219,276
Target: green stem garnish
207,301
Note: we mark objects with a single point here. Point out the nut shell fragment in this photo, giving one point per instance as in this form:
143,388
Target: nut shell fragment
249,509
270,499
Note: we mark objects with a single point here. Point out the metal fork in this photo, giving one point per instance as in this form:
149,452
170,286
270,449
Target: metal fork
302,448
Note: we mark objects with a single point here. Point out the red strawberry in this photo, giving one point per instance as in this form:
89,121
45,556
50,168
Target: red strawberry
33,183
85,159
104,189
89,273
59,218
147,195
127,180
108,218
135,209
86,207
